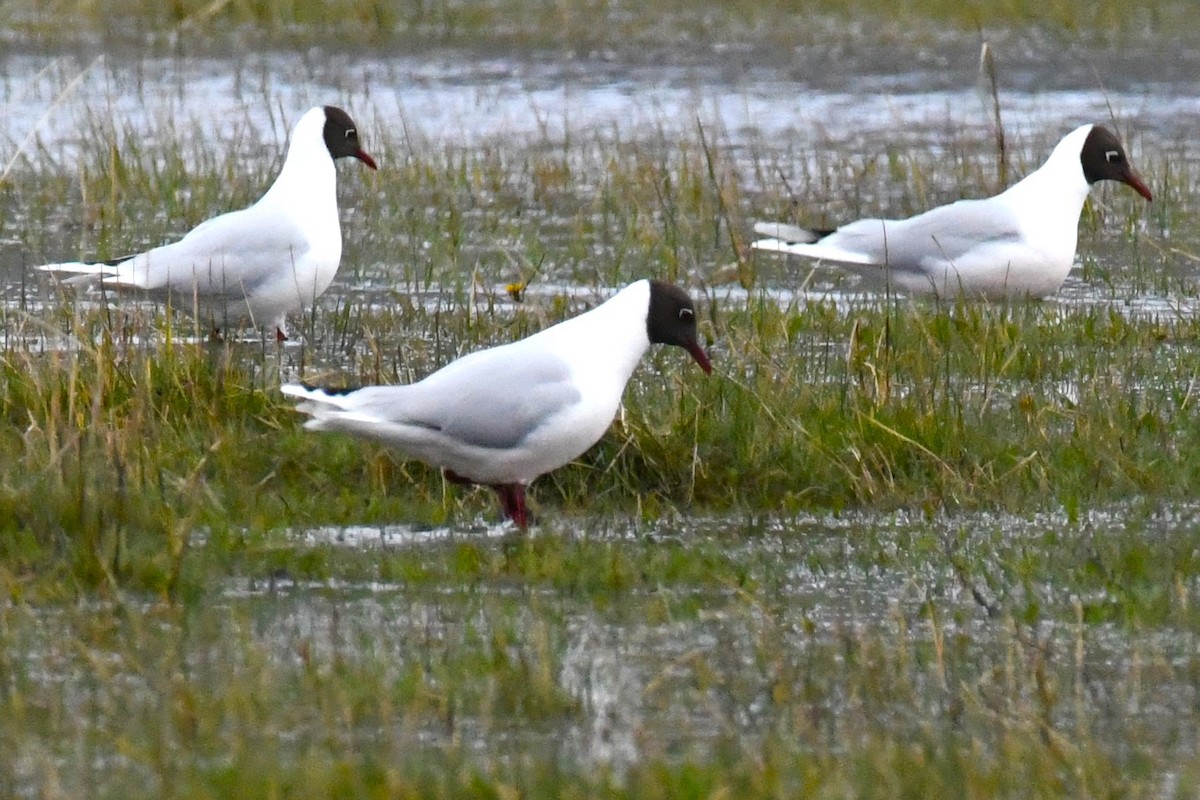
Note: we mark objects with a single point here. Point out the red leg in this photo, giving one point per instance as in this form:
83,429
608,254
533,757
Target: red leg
512,497
512,500
280,336
520,513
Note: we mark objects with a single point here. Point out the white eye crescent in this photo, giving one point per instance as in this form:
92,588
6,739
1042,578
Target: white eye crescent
1112,155
686,312
350,133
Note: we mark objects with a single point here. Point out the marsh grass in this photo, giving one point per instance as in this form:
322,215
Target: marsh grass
818,404
861,615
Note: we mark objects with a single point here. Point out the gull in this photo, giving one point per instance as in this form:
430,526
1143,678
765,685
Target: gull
503,416
258,263
1018,243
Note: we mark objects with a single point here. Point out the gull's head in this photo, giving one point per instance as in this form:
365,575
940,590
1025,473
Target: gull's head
341,137
1103,159
671,319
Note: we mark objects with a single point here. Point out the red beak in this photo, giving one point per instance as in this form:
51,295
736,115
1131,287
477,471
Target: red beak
1136,183
362,156
701,357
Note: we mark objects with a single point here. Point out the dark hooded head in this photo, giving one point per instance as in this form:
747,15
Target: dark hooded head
341,137
1104,159
672,320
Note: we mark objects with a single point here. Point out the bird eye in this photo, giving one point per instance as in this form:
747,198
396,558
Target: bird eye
1112,156
685,313
351,133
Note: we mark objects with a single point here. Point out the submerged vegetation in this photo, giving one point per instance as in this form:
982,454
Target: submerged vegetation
890,548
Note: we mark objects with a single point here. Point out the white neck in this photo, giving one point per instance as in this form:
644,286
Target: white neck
1058,187
308,177
612,336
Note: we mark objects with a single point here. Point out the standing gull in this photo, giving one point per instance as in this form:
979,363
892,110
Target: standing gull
259,263
503,416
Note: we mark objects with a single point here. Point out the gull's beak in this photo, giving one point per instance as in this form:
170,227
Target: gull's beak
362,156
701,357
1132,179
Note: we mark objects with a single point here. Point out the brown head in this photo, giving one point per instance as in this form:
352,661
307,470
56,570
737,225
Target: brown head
1104,159
341,137
672,320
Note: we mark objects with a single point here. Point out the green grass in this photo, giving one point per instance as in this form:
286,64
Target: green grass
888,549
129,447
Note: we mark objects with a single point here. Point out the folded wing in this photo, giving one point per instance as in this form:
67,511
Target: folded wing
941,236
226,257
493,400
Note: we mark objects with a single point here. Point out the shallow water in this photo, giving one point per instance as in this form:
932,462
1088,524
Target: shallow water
849,91
841,633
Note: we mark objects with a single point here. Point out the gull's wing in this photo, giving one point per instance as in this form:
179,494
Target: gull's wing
227,256
944,235
492,399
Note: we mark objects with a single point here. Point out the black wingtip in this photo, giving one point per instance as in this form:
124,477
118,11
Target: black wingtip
329,390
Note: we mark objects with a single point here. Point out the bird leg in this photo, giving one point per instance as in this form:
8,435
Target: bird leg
512,500
280,336
512,497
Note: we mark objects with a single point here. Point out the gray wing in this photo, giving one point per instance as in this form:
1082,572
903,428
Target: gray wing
492,399
944,234
227,256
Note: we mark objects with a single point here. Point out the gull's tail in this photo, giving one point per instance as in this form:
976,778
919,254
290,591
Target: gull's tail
83,272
